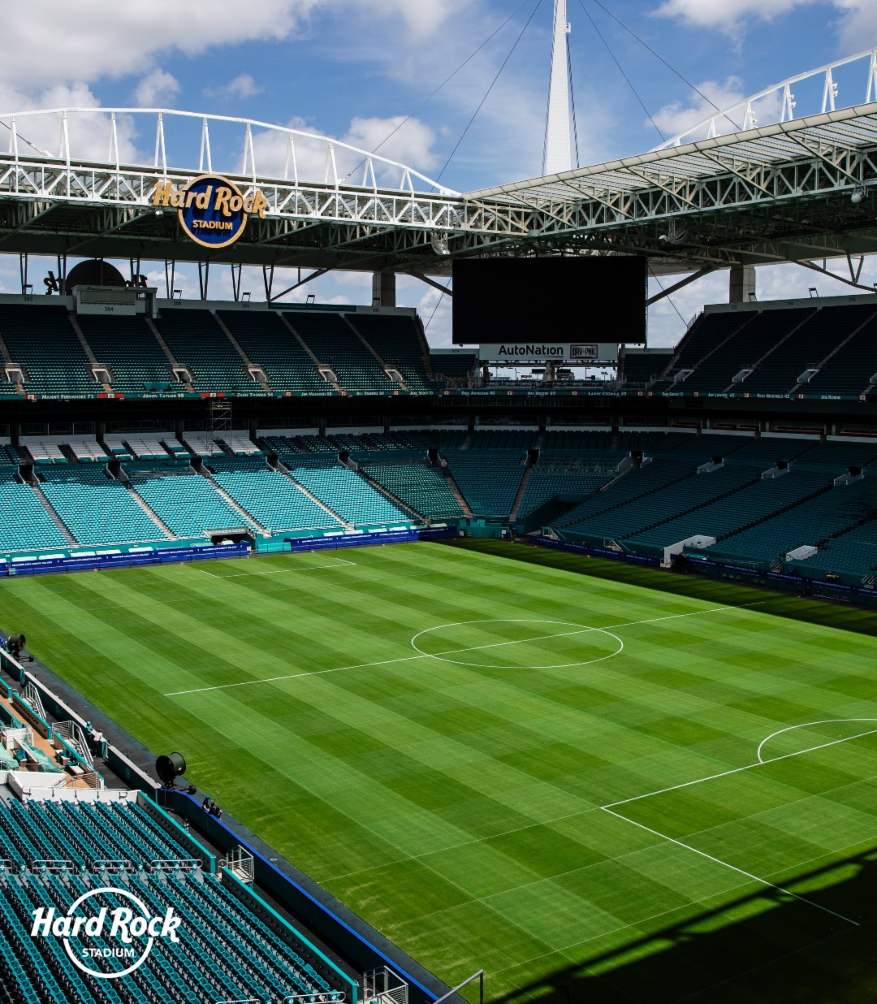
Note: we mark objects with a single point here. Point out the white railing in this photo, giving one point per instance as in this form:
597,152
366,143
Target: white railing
166,138
842,84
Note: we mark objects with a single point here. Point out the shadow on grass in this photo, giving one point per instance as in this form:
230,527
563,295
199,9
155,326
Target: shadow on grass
780,604
764,947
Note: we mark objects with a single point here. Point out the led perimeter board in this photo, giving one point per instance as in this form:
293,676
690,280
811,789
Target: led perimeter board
562,299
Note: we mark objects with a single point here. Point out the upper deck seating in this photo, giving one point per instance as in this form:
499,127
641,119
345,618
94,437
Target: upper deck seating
397,340
805,349
336,344
42,340
197,342
269,343
131,351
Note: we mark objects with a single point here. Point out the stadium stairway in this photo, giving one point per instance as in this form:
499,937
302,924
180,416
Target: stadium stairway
52,512
376,485
317,501
210,473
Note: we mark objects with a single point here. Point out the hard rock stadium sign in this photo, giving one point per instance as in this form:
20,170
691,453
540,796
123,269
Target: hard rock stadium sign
212,210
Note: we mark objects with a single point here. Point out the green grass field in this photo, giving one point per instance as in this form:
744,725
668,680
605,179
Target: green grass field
595,790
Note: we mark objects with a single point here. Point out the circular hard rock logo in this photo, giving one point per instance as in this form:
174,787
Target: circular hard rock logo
107,932
212,210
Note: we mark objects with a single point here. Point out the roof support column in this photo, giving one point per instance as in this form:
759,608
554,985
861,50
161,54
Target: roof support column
384,289
742,286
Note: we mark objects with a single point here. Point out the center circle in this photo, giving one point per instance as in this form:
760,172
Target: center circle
463,654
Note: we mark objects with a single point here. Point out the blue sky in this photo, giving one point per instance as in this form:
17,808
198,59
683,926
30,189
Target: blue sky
351,68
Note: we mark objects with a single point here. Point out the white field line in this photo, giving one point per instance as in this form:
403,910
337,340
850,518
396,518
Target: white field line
339,563
452,651
738,770
805,725
733,868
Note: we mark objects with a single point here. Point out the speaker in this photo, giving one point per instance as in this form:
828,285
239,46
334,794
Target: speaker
169,767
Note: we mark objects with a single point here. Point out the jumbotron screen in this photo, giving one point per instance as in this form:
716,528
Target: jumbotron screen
561,299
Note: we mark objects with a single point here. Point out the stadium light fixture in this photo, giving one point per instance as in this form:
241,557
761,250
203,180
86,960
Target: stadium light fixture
858,196
814,292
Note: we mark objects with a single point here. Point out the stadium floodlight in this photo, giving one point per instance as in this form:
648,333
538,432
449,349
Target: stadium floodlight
858,196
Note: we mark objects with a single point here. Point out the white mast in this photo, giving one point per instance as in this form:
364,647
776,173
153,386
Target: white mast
558,128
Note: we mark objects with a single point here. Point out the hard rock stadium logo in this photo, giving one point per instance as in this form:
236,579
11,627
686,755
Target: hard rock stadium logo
212,210
107,932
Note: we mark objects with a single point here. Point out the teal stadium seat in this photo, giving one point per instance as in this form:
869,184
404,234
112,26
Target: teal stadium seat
399,341
270,344
95,508
42,340
186,502
335,345
128,347
270,496
25,523
197,342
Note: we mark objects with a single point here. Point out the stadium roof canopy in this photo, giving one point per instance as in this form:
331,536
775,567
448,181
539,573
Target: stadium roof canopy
77,181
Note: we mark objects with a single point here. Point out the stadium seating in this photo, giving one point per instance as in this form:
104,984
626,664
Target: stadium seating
749,342
420,486
231,951
851,556
42,340
130,350
822,516
348,495
270,344
568,479
400,344
25,523
187,503
197,342
707,333
488,478
337,346
849,371
454,367
638,369
269,496
805,349
95,508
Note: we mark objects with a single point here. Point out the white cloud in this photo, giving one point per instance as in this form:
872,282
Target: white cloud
857,26
81,42
676,117
422,18
726,14
90,132
240,87
156,89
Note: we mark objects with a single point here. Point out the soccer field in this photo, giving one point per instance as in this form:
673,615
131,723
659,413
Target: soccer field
595,790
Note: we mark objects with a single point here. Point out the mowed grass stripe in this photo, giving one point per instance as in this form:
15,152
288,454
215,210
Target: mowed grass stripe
454,806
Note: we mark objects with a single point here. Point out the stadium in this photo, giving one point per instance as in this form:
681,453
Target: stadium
338,666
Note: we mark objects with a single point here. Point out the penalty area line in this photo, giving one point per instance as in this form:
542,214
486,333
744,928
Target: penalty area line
739,770
733,868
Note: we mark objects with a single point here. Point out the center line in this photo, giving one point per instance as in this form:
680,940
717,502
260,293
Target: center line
451,651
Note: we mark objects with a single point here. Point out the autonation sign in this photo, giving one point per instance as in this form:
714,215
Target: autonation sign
212,210
539,353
